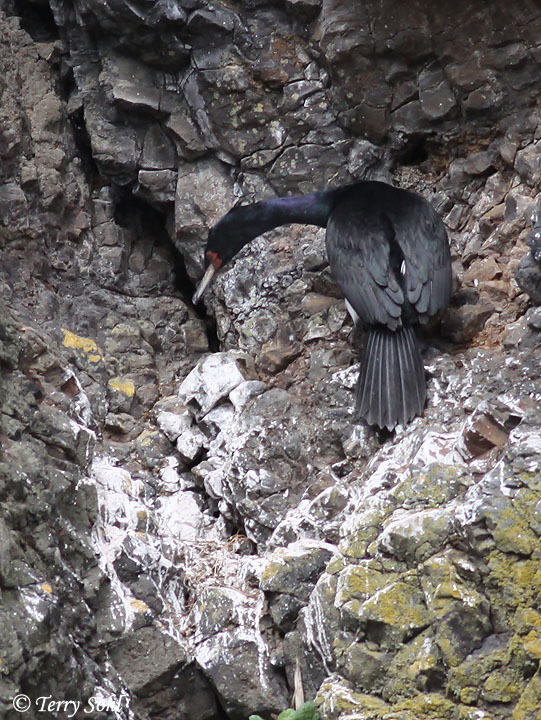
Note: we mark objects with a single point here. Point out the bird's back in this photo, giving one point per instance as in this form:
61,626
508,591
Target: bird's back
389,253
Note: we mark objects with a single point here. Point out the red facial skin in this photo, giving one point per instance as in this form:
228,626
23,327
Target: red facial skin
214,259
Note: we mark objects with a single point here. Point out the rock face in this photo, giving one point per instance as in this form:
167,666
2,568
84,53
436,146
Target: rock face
190,519
528,272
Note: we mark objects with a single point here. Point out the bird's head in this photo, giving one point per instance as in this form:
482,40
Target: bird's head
224,241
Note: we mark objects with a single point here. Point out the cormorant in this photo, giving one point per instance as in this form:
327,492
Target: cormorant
388,250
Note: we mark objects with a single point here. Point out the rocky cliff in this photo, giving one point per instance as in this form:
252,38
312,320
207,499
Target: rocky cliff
191,523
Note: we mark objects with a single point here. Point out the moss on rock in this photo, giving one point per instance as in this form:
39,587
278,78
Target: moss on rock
393,614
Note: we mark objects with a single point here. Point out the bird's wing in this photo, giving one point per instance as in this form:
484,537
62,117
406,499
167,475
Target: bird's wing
421,235
359,256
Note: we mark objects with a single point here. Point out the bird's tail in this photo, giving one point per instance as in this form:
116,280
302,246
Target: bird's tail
392,386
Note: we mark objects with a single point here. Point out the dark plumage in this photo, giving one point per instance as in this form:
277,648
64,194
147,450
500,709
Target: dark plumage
389,253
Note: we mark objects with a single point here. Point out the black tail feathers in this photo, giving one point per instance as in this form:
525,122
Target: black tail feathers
392,388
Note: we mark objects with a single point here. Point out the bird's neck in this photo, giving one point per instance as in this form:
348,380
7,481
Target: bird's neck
311,209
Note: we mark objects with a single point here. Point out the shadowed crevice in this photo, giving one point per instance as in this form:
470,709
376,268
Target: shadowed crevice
36,19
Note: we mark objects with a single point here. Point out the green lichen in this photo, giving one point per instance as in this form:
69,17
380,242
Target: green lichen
361,581
308,711
457,636
427,707
513,582
397,611
366,667
502,686
416,666
336,697
512,533
529,705
367,528
336,565
436,486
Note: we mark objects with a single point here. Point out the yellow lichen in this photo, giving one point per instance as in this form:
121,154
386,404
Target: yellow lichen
518,580
429,706
469,695
86,345
123,385
512,533
335,699
501,686
526,620
147,437
399,606
529,704
139,606
47,587
472,713
532,644
361,582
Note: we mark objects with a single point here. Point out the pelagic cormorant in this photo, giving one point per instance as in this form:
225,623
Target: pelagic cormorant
388,250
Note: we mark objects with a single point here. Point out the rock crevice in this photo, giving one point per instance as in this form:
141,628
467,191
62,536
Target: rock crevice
191,520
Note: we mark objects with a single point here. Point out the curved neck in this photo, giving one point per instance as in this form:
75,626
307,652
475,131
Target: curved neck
243,224
311,209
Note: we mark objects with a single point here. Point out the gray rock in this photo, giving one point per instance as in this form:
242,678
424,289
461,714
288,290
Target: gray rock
528,272
190,443
243,393
290,576
218,20
211,381
465,322
533,239
158,184
13,204
196,209
188,140
478,163
534,318
160,654
527,163
436,97
114,148
158,150
139,527
229,660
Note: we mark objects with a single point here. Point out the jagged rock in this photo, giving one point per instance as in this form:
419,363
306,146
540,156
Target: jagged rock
533,317
478,163
528,272
482,432
161,656
211,381
435,95
191,443
13,204
195,208
527,163
402,572
290,576
462,324
159,184
229,659
243,393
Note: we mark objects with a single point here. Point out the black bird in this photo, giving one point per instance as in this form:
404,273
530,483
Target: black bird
389,252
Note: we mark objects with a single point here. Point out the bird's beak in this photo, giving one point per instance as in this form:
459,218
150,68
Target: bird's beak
210,272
